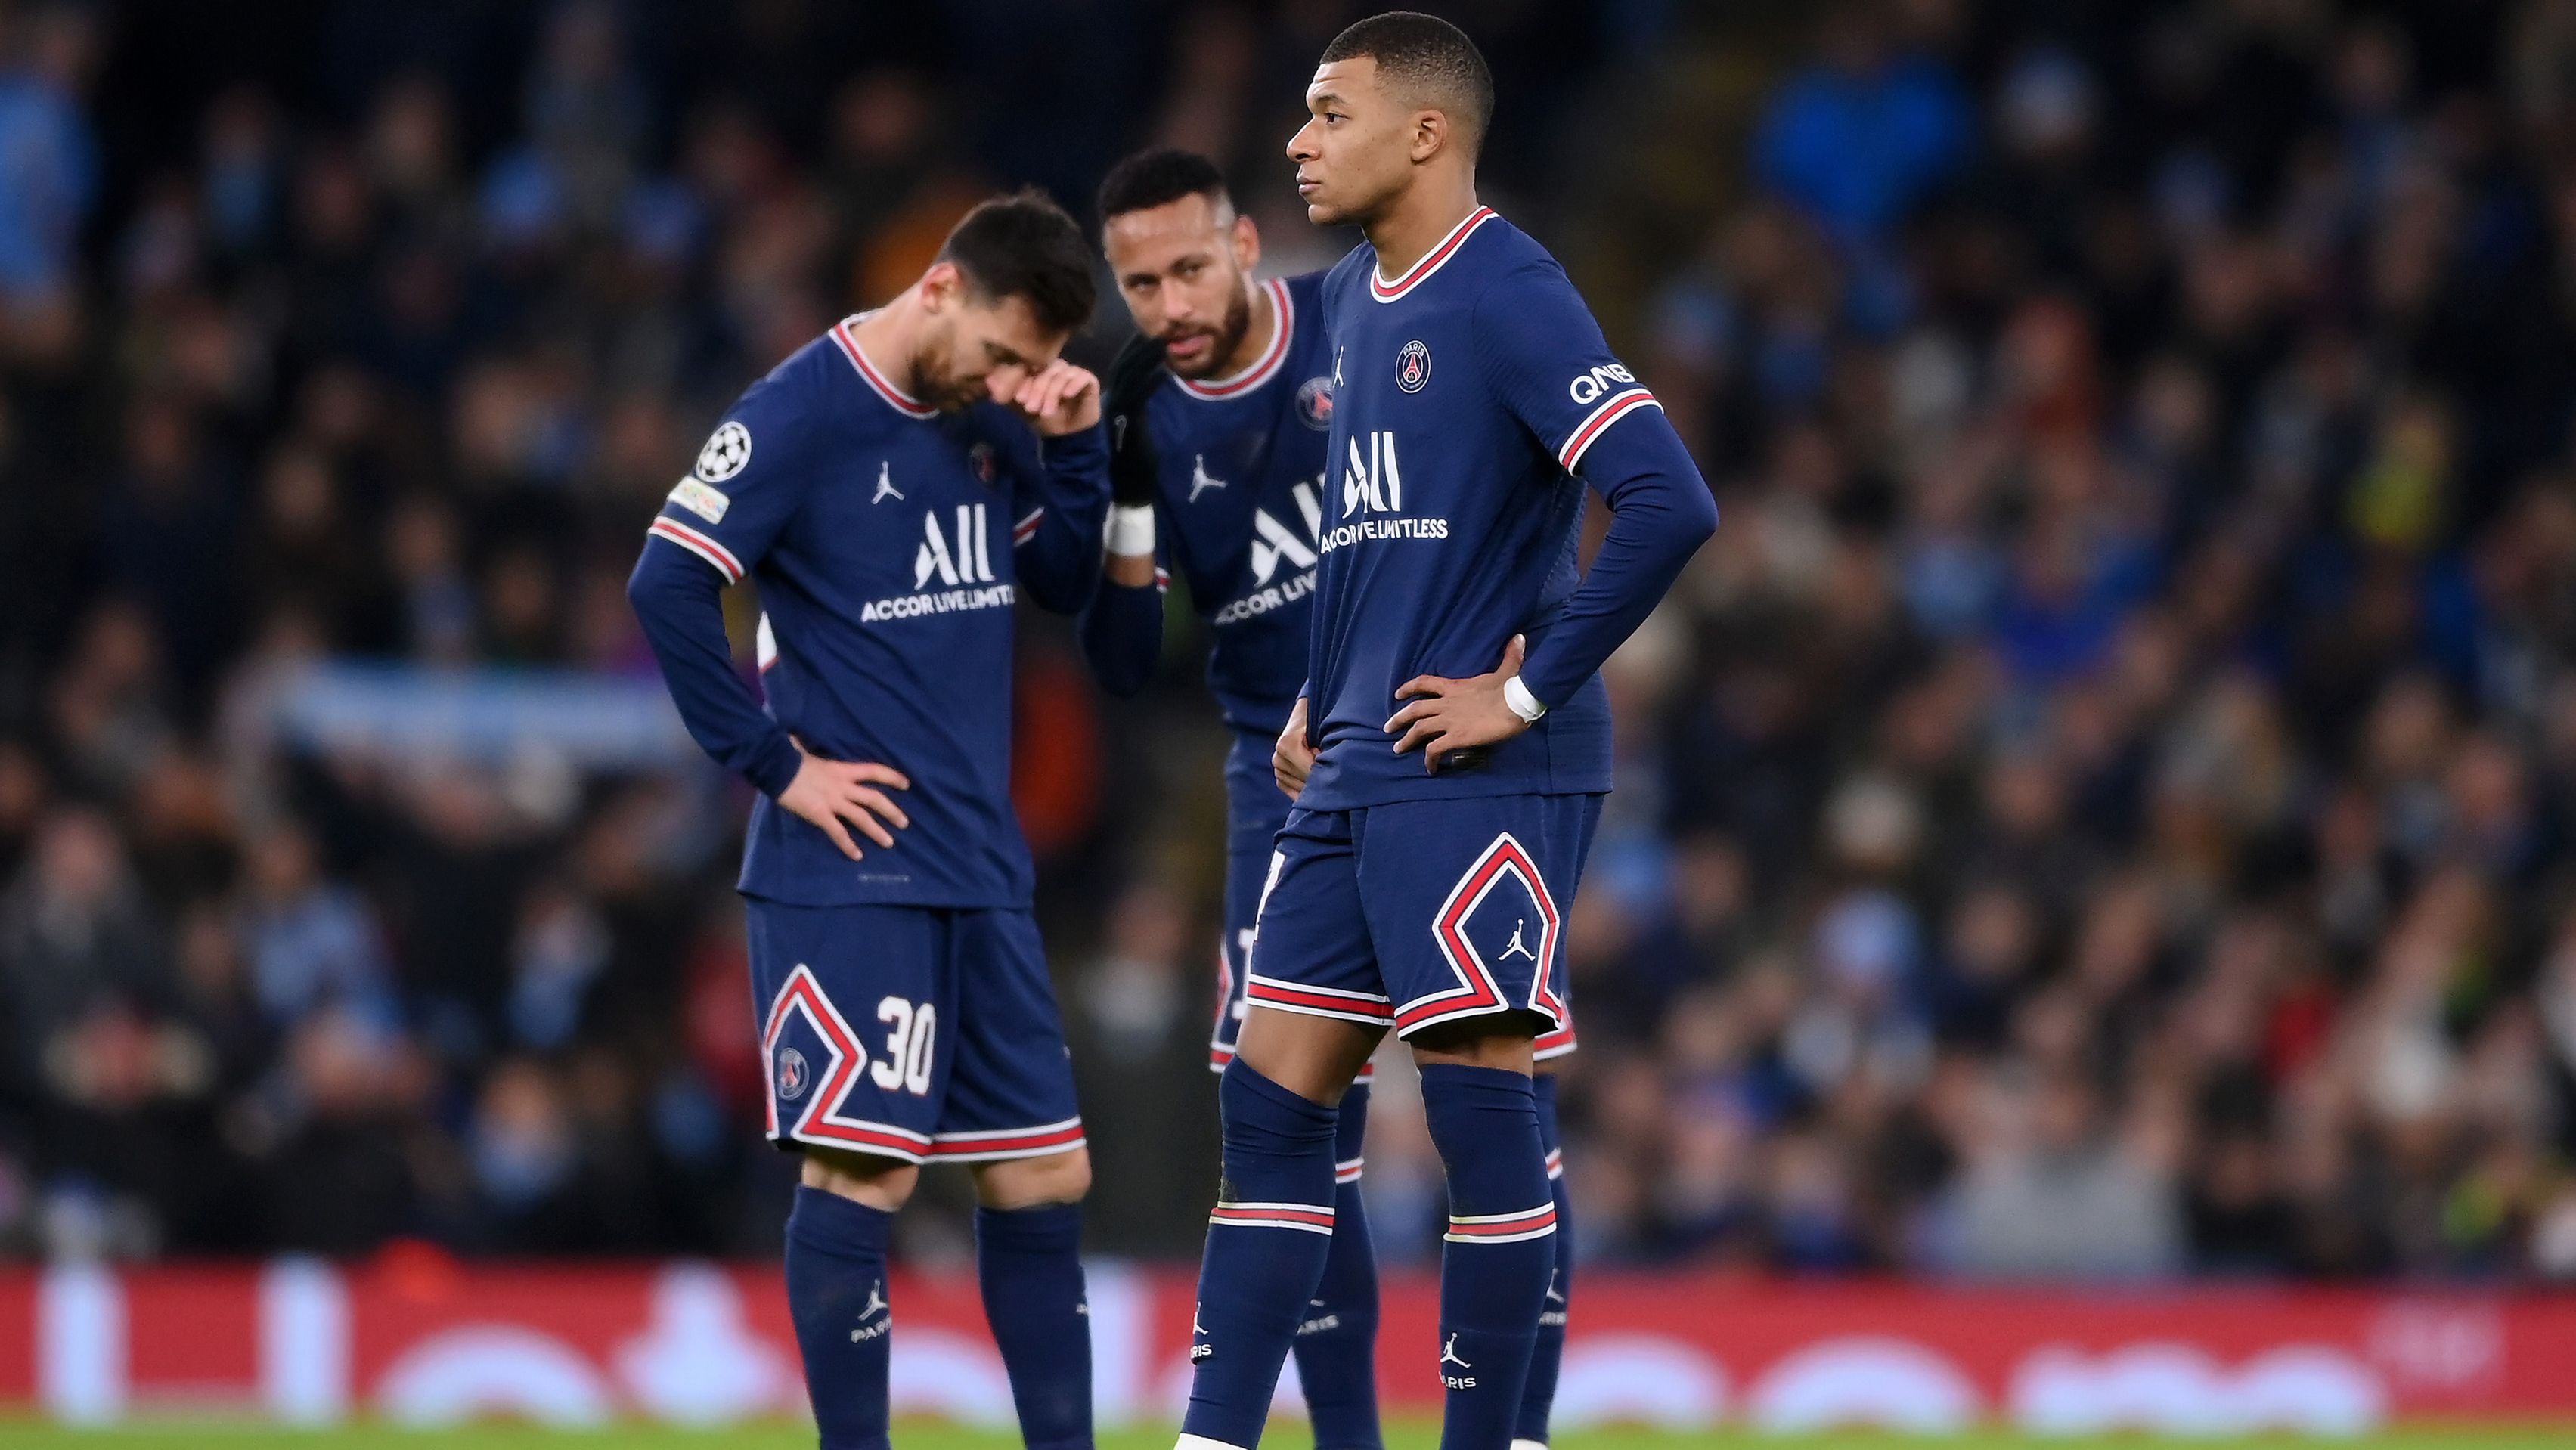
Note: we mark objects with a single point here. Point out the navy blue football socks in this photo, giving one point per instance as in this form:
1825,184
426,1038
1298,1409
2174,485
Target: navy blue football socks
836,1294
1538,1397
1268,1239
1029,1261
1336,1342
1500,1249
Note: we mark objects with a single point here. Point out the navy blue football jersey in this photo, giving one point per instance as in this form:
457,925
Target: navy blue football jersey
890,543
1242,462
1465,395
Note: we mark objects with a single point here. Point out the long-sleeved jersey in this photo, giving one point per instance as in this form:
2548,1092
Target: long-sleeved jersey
889,542
1240,497
1469,397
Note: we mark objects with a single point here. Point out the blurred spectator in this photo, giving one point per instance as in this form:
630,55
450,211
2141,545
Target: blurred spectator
52,167
2048,1192
312,946
1136,1020
1865,134
78,940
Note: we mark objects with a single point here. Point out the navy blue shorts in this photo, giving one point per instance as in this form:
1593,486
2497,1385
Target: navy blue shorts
1255,809
910,1032
1416,913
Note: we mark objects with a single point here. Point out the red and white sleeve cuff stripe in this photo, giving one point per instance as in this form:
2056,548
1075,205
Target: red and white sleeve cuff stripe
1303,1217
1613,408
1021,531
1502,1228
1349,1170
698,544
1556,1163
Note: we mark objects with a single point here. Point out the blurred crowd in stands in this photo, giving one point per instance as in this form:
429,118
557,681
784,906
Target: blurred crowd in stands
2101,806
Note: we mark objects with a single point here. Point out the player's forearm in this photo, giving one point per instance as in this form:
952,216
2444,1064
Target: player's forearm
1661,513
1059,561
679,601
1122,634
1128,571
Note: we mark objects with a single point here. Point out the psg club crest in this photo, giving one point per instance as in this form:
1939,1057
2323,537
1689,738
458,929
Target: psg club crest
1413,366
725,454
980,458
793,1076
1315,404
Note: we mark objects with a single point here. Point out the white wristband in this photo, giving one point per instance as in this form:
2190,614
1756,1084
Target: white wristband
1131,531
1523,703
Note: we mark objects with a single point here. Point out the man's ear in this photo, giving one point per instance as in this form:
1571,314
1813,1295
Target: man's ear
1430,134
1247,244
940,286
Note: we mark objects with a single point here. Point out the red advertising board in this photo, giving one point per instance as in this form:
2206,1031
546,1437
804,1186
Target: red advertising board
424,1340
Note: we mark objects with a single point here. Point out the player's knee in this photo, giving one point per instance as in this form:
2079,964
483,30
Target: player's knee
1034,1182
880,1183
1313,1057
1503,1040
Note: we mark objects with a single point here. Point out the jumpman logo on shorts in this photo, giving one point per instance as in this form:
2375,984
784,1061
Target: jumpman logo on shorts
1449,1354
1519,925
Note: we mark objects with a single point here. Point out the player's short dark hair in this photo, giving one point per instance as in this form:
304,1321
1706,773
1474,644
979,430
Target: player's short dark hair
1428,58
1024,245
1158,177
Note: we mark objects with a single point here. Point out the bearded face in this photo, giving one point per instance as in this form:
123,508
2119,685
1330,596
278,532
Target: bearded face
1184,270
1200,349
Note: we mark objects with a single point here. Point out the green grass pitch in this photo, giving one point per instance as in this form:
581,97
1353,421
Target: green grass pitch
26,1435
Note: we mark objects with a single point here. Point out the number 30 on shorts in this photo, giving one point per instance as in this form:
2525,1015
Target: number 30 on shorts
911,1033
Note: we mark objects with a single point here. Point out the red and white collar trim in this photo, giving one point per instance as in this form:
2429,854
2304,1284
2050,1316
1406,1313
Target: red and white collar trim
1385,291
1283,313
896,398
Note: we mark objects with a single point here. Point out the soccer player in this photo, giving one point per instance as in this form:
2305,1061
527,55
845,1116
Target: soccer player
1218,410
1452,744
892,485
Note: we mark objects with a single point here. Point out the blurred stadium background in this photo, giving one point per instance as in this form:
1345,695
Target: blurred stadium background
2085,936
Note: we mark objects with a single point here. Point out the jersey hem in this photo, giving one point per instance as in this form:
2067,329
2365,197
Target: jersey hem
1460,788
922,901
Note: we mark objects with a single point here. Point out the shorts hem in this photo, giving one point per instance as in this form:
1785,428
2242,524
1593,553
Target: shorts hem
1363,1007
986,1145
1361,1018
1464,1010
877,1144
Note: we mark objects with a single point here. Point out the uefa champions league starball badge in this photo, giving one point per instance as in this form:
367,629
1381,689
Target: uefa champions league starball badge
727,450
